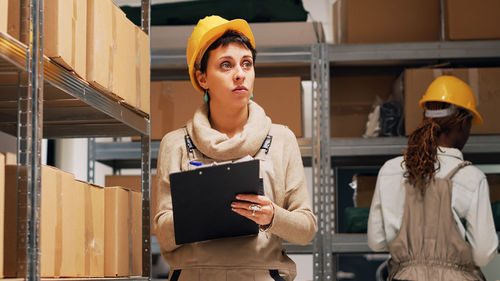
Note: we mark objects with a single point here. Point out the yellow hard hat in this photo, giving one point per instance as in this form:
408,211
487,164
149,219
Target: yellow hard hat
205,33
452,90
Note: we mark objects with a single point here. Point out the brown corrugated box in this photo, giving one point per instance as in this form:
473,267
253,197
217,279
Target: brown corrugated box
143,70
466,20
122,75
365,189
4,8
267,34
65,33
494,185
94,210
351,99
56,195
135,233
62,222
14,18
483,81
173,103
8,211
117,232
130,182
99,42
385,21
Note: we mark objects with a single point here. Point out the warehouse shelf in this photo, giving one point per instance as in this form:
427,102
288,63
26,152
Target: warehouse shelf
406,52
68,101
394,145
126,155
41,99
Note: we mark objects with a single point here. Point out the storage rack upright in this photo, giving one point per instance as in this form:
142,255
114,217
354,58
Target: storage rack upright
311,63
50,102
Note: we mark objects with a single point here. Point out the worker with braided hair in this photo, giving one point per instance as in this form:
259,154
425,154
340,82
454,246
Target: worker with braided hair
431,209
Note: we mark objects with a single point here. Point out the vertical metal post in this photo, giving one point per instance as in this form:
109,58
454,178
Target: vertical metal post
442,30
91,160
146,198
30,114
146,166
322,172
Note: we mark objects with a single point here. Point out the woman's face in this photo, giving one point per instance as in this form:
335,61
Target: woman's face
229,77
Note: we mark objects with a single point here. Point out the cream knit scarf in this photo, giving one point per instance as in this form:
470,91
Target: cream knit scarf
218,146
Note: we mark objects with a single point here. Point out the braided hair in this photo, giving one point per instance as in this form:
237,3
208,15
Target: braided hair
421,155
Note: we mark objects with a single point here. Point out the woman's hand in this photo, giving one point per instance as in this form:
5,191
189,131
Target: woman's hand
255,207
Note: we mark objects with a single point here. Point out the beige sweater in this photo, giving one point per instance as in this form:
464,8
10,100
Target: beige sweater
285,185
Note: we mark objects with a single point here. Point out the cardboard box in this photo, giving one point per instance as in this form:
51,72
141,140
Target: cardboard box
135,201
351,99
173,103
123,65
130,182
57,196
99,43
65,33
4,6
8,215
10,158
466,20
267,34
143,71
94,231
14,18
483,81
73,251
494,184
385,21
117,232
365,187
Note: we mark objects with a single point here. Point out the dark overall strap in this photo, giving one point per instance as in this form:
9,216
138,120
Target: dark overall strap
275,275
190,145
175,275
458,167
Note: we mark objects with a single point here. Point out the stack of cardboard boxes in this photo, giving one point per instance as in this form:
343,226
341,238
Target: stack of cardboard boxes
85,230
391,21
95,40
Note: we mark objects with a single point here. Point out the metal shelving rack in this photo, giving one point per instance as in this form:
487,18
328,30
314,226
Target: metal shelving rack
355,151
49,101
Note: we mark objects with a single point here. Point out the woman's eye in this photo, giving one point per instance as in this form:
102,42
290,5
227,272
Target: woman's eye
225,65
247,64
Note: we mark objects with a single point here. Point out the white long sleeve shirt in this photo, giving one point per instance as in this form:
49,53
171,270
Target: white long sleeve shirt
470,201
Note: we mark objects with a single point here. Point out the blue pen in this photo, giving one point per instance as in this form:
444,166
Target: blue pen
194,163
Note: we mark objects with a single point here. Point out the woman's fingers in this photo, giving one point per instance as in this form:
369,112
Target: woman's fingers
255,207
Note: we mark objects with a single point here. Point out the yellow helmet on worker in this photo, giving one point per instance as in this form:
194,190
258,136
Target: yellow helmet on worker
451,89
204,34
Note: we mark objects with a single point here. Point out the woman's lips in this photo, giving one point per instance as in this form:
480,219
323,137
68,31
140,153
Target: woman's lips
240,90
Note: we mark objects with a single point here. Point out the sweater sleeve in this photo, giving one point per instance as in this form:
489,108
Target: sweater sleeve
163,222
295,220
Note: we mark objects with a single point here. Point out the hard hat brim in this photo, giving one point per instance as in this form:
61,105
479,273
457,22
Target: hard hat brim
209,37
477,120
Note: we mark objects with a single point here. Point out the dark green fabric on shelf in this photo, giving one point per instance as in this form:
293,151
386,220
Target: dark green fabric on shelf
495,207
189,12
356,219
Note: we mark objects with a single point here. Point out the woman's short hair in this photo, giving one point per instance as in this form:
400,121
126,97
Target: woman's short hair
228,37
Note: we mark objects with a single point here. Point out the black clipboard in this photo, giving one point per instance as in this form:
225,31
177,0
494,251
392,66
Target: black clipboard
201,201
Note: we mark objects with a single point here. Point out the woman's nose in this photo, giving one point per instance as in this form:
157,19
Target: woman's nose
239,74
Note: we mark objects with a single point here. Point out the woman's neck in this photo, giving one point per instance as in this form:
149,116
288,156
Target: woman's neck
228,122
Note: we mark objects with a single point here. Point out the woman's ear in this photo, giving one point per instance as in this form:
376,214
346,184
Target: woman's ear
202,79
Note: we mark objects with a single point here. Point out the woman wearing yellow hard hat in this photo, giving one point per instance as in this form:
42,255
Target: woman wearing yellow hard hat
229,126
431,209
